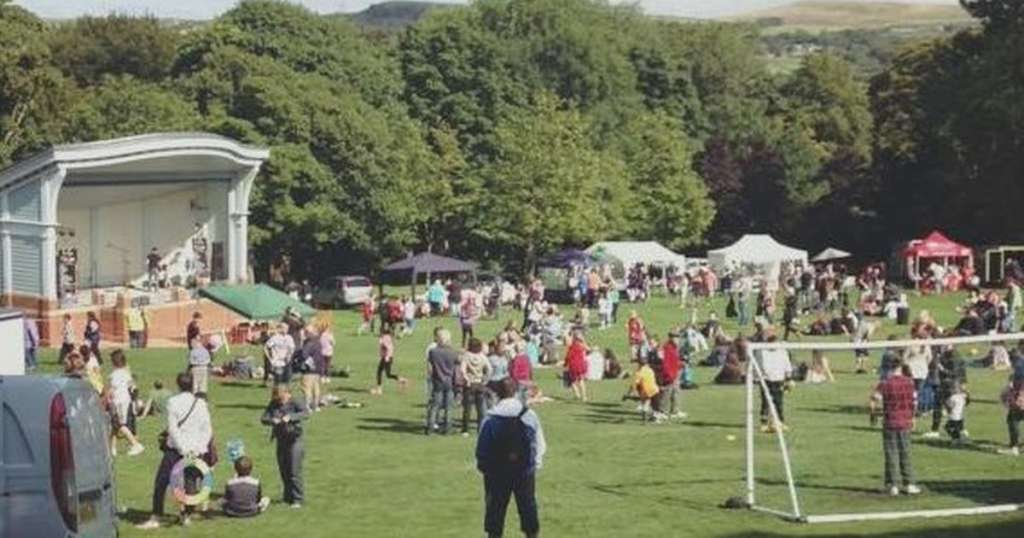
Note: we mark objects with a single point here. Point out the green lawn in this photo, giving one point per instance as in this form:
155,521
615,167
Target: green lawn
371,472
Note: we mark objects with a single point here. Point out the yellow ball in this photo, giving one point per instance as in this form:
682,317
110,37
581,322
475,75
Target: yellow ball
730,437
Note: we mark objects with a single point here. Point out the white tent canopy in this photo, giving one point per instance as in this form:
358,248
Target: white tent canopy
634,252
830,254
755,249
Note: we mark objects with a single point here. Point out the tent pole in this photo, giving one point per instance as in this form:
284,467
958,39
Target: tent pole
414,275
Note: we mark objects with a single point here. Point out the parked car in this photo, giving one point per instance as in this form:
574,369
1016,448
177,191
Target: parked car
342,291
56,477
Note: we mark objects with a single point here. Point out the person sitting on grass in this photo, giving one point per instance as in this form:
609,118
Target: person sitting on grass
243,495
897,400
820,370
645,385
156,401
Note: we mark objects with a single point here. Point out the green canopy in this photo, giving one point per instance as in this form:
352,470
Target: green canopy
257,302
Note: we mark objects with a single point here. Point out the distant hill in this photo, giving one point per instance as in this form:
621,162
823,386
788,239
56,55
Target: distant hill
829,15
396,14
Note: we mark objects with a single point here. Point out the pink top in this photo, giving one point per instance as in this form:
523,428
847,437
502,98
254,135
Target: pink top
327,344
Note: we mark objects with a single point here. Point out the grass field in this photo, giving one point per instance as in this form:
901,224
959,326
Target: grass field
371,472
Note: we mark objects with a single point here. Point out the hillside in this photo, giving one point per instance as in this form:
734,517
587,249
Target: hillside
826,15
394,15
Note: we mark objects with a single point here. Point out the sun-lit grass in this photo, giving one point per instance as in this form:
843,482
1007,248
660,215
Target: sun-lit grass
371,472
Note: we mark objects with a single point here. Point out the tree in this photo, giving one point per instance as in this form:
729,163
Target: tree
671,201
998,14
90,48
33,94
548,186
123,106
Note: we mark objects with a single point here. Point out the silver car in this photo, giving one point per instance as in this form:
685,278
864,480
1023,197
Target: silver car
56,477
342,291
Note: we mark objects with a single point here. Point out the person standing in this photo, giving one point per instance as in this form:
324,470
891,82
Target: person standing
284,415
435,296
326,336
576,366
199,367
742,290
898,400
189,432
509,452
468,316
951,371
777,370
153,269
1013,399
277,353
136,327
386,348
442,361
193,330
31,338
92,335
476,370
67,337
312,365
668,380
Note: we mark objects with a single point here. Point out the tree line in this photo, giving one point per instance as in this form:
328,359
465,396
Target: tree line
508,128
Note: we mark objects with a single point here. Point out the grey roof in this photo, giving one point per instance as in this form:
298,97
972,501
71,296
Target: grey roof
428,262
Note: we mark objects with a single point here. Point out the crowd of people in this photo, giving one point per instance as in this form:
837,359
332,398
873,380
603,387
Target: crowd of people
495,379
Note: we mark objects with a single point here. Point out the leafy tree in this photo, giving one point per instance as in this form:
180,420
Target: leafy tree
33,94
547,186
671,200
997,13
301,40
90,48
123,106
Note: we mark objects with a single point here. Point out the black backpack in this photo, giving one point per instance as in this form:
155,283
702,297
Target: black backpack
511,445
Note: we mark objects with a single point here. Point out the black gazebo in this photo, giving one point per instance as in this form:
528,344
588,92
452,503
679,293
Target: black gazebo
428,263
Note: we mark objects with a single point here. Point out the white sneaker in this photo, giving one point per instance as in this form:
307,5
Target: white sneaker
1009,451
680,415
136,450
149,524
296,505
894,491
913,490
930,435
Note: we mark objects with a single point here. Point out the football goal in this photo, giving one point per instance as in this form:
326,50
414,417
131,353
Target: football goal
774,484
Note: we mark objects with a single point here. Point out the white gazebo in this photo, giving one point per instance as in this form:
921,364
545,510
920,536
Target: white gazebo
633,252
758,250
83,216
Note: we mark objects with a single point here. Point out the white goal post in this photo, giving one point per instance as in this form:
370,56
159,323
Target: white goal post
755,377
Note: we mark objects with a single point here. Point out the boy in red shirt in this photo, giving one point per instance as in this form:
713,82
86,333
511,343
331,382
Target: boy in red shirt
898,400
668,380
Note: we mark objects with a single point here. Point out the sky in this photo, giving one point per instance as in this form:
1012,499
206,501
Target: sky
205,9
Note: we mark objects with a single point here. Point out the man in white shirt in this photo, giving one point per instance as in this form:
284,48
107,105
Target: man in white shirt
777,370
278,351
189,432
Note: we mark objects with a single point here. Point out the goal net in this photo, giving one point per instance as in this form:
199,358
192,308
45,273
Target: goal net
827,465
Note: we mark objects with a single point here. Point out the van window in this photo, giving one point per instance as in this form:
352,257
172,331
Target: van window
358,282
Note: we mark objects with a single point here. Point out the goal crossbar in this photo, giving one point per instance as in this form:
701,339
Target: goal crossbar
756,376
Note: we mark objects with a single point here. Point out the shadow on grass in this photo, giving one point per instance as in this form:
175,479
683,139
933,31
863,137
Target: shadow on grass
254,384
259,407
983,446
839,409
391,425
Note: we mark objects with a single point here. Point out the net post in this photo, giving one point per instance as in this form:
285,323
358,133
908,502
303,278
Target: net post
782,441
750,431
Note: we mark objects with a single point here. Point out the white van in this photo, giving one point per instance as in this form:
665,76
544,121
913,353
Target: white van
56,478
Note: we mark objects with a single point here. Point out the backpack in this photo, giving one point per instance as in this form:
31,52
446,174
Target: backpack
511,449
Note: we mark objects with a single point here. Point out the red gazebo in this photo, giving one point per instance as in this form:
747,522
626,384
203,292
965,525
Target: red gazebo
936,246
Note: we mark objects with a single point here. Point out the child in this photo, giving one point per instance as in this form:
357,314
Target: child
386,345
645,386
635,332
409,313
368,318
604,310
92,371
67,335
955,406
862,334
243,495
820,371
120,387
156,403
